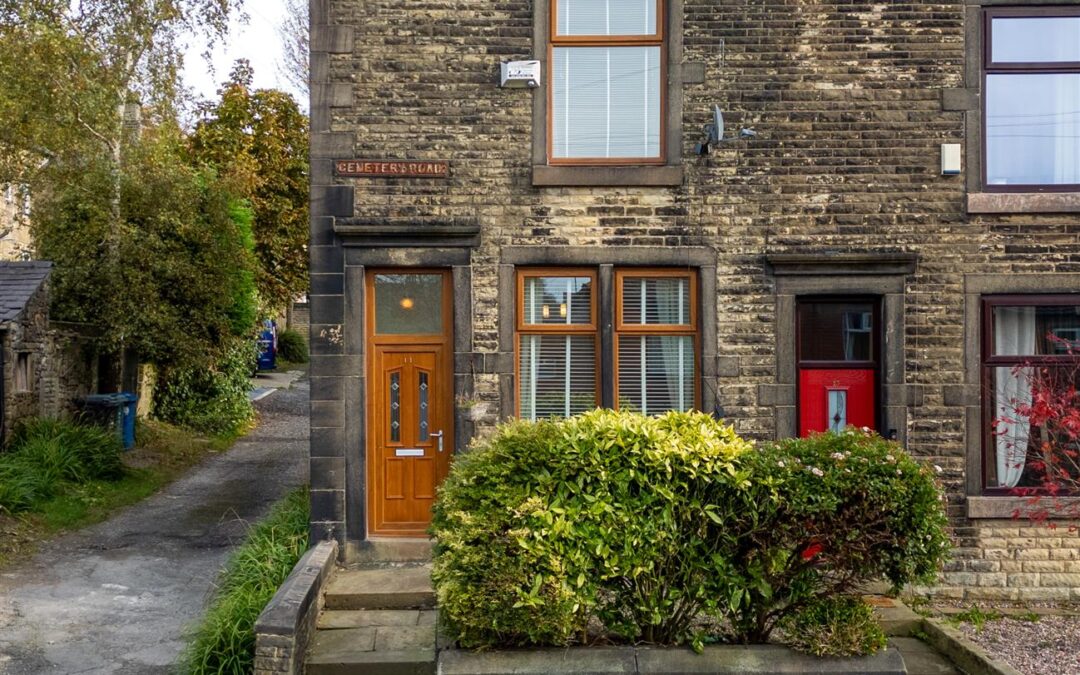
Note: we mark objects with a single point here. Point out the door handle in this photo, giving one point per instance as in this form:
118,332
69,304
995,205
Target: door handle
438,435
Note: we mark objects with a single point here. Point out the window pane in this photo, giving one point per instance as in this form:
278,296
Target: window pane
834,331
1035,331
1033,129
557,375
656,300
656,373
1028,449
395,407
605,102
558,300
606,17
408,304
1035,39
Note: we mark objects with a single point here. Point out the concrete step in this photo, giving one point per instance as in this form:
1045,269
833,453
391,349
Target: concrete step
373,650
381,588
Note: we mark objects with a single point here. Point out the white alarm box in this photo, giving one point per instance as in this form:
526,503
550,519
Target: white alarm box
520,74
950,159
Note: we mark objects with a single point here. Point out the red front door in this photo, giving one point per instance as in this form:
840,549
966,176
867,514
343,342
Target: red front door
838,364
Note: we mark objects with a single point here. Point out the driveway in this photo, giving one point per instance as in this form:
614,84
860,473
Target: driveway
117,597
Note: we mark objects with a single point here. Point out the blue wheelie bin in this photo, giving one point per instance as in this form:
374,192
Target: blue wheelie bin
116,411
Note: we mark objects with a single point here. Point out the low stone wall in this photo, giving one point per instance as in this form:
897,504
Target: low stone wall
285,627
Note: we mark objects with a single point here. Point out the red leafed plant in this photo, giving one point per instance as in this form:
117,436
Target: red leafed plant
1042,438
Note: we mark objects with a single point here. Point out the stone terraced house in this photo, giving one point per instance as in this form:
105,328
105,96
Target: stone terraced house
518,210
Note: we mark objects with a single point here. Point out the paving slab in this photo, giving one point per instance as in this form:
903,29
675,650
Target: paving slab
896,618
337,619
922,659
761,660
338,646
580,661
381,588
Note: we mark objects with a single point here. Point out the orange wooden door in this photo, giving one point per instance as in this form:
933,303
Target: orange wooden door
412,439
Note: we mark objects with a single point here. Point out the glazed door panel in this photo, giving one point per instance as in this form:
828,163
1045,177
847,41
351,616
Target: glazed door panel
830,400
411,436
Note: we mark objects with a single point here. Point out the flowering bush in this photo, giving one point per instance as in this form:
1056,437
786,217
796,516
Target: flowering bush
634,527
821,517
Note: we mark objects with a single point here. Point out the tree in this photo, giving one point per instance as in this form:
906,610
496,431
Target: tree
185,274
294,33
1038,429
257,139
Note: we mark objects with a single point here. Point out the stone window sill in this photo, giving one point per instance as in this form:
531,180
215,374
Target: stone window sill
1003,508
607,176
1023,202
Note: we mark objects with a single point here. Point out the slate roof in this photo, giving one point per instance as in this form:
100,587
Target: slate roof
18,283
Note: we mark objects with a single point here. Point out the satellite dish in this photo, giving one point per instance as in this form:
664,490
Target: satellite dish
716,133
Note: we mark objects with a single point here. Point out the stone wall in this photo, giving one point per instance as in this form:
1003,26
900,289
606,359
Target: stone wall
29,336
851,101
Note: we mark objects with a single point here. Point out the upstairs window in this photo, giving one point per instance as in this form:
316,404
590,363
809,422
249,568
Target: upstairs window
607,80
1032,98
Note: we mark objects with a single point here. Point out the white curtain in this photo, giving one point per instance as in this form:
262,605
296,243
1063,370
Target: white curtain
1014,335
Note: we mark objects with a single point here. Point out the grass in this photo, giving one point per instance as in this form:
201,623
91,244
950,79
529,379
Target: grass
224,641
163,454
976,616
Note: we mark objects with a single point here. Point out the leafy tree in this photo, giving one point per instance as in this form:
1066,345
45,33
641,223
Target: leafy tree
294,33
257,139
184,277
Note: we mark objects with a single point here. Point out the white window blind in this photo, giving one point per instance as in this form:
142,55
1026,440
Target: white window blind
606,102
656,373
557,375
605,17
558,300
656,301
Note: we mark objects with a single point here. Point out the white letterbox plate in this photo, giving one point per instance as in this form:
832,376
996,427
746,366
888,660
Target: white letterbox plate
409,452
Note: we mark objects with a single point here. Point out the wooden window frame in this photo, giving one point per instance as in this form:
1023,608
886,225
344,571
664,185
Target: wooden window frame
990,67
988,362
659,39
525,329
691,329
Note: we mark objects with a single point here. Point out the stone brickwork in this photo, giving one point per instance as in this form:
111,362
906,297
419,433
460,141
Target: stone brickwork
285,627
29,336
851,101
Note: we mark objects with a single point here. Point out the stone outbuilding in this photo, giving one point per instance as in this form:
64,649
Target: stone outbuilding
517,212
24,341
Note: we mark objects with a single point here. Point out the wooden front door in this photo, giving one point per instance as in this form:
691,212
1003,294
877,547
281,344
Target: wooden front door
410,416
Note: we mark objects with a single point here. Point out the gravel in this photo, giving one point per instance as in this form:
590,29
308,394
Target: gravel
1049,646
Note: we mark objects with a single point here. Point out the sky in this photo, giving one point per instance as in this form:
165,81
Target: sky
256,40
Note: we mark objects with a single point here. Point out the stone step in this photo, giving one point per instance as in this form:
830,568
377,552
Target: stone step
381,588
363,618
373,650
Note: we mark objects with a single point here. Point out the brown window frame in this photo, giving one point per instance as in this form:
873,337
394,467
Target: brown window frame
691,329
990,67
988,362
521,328
658,39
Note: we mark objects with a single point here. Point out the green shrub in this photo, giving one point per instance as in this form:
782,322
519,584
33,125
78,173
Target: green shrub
292,346
843,625
209,400
45,454
224,640
547,525
824,514
636,526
